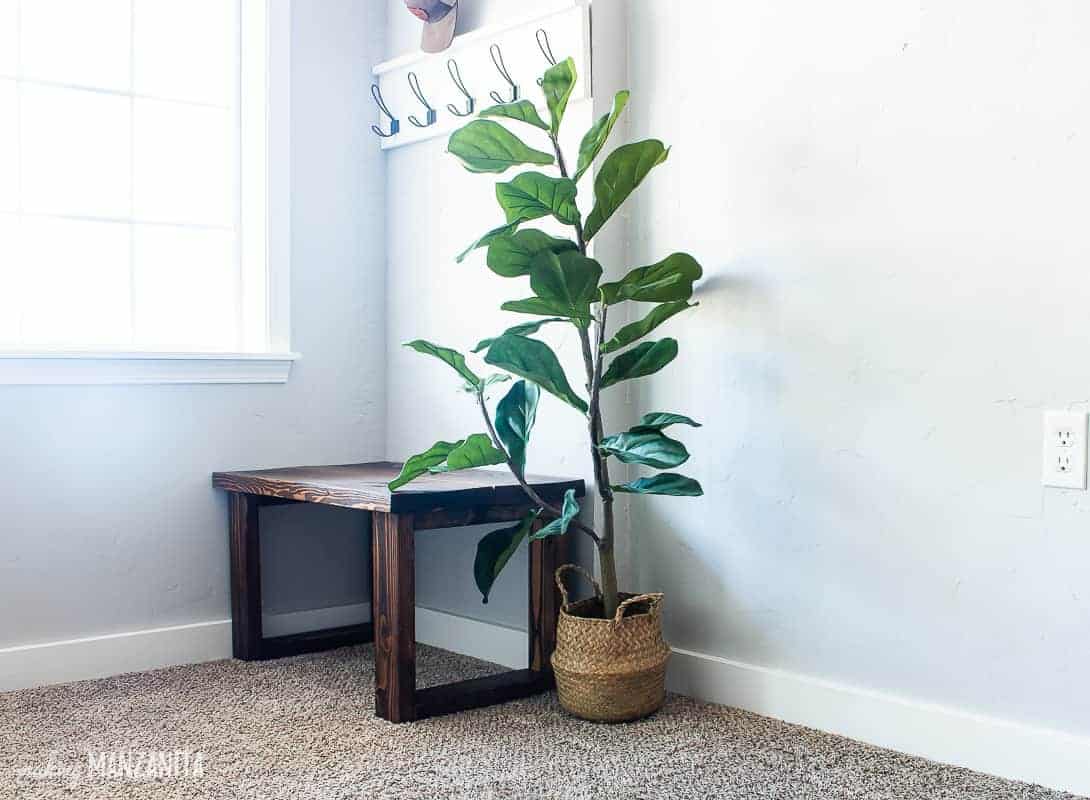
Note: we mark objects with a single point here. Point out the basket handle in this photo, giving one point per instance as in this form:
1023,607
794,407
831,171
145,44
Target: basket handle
562,570
652,599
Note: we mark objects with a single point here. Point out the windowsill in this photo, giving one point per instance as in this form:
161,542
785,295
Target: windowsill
75,368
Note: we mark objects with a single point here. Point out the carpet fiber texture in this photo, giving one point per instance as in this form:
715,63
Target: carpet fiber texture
303,728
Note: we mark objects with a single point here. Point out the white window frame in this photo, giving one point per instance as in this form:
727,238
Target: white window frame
266,331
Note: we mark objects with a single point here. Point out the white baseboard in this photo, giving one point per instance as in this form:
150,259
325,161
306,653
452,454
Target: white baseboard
508,647
113,654
986,744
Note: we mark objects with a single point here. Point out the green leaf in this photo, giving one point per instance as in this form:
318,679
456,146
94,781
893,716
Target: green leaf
536,362
532,195
619,176
515,417
558,85
541,307
421,463
647,359
513,256
450,357
476,451
489,382
521,111
661,420
635,331
667,483
525,329
558,527
596,137
495,550
670,280
486,146
568,279
648,447
486,240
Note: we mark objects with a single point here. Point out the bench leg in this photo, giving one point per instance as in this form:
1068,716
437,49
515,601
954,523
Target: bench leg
245,538
394,617
544,602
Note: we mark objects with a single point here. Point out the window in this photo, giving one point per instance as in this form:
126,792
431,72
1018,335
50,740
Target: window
140,208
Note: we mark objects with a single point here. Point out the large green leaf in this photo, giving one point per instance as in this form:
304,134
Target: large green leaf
540,307
532,195
450,357
487,146
525,329
512,256
599,132
660,420
568,279
515,417
476,451
485,241
495,550
421,463
635,331
536,362
622,172
521,111
648,447
670,280
647,359
559,526
558,84
667,483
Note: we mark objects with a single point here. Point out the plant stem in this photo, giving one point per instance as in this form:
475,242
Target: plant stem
592,361
530,491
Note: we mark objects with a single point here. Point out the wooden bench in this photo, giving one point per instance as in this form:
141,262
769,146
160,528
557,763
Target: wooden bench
449,500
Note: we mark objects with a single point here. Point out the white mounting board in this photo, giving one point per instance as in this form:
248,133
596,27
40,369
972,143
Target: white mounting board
568,29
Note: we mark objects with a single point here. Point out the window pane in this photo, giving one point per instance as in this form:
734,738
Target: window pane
186,50
7,37
83,42
10,280
75,152
9,154
186,289
183,163
77,283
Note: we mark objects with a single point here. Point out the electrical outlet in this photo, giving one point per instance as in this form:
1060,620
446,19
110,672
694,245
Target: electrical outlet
1065,450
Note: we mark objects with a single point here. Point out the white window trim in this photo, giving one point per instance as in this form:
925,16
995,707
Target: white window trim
78,367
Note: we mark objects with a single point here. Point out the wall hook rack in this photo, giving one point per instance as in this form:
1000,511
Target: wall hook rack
395,125
546,49
431,116
501,67
456,76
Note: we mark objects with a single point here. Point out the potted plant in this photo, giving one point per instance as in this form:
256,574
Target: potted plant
610,659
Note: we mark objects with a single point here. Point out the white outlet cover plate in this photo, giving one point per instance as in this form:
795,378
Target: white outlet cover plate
1065,440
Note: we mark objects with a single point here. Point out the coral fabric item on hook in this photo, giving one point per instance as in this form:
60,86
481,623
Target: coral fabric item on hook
440,17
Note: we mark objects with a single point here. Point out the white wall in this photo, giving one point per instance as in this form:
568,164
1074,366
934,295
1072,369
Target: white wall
109,520
890,202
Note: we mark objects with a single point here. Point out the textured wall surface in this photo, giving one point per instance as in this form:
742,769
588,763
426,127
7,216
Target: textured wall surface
110,523
890,202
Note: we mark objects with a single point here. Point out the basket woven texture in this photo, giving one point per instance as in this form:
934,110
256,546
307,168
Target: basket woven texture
610,670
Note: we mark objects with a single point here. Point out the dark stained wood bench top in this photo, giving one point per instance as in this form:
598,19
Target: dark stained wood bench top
363,486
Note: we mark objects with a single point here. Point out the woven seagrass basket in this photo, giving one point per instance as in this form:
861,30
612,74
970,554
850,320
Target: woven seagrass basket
610,670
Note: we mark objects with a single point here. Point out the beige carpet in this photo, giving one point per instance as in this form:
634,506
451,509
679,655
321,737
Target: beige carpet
302,728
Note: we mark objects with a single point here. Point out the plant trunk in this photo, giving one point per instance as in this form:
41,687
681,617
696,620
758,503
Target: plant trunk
607,564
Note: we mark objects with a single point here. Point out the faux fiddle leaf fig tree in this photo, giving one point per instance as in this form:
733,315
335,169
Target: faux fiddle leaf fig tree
567,289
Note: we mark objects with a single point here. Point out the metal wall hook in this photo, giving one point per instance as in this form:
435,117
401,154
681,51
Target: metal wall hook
414,84
456,76
501,67
395,125
546,49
